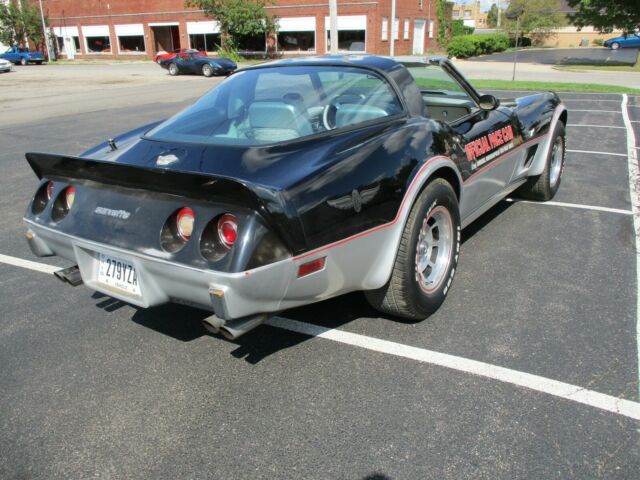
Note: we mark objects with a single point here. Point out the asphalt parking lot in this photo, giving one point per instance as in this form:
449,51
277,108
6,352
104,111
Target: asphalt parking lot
529,370
567,56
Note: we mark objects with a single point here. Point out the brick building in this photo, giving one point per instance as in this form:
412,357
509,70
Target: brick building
140,28
470,13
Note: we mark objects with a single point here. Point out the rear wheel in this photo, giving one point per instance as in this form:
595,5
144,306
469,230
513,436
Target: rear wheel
615,46
207,70
544,187
427,256
23,61
173,69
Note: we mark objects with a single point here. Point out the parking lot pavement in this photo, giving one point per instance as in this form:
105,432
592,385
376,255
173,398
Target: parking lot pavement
544,293
566,56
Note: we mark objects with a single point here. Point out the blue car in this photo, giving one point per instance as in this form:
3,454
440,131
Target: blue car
631,40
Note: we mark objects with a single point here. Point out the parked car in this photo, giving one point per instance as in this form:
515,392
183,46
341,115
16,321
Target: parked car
5,65
192,61
23,56
626,41
293,182
164,56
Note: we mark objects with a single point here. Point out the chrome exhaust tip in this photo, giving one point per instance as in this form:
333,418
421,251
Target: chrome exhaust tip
233,329
212,324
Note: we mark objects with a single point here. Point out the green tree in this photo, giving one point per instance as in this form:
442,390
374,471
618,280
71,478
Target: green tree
237,18
443,22
606,15
17,23
538,18
492,16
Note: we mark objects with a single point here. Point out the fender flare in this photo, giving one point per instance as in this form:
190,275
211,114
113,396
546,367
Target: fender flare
543,151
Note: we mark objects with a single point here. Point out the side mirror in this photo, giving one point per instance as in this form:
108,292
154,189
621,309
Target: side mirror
488,102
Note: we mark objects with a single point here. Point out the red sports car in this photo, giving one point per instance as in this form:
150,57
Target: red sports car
164,56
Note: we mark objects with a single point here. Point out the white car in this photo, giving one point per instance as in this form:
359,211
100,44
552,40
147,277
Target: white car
5,66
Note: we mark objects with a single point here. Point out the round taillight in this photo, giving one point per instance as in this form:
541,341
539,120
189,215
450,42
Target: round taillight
228,229
69,197
184,222
50,187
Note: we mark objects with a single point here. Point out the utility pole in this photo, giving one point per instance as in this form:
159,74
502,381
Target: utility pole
392,40
50,52
333,26
499,14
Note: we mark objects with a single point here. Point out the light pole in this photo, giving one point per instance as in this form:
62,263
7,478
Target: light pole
511,14
333,26
47,41
393,28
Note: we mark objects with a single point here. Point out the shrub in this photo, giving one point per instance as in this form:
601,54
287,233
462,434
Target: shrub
522,42
458,28
229,51
598,41
470,45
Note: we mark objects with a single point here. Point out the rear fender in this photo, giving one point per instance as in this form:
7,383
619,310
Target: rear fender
540,159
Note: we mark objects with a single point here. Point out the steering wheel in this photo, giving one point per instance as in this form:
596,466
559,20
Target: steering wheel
330,110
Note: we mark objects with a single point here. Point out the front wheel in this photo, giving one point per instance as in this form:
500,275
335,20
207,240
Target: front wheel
173,70
544,187
207,70
427,256
615,46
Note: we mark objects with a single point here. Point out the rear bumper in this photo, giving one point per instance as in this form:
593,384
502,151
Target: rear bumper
229,295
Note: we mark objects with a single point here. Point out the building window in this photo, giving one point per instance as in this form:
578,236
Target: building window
396,27
406,29
297,41
467,14
455,13
98,44
252,43
206,42
430,28
385,28
350,40
76,44
132,44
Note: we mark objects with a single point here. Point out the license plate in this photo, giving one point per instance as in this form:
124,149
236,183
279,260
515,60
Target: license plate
119,275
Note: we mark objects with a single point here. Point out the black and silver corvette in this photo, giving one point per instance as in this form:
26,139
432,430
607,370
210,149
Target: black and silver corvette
293,182
195,62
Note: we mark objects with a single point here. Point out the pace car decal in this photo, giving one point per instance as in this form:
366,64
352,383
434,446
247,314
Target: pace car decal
488,147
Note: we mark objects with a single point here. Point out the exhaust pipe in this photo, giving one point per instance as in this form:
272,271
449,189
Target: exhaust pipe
70,275
236,328
212,324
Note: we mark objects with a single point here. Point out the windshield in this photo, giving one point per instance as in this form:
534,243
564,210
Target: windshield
279,104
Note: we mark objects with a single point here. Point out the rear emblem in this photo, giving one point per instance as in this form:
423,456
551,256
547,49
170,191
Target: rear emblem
355,199
108,212
164,160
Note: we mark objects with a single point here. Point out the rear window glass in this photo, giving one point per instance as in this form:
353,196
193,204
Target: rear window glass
280,104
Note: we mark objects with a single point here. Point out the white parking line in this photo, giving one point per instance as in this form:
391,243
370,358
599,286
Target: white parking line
574,393
19,262
598,153
634,179
593,111
555,388
573,205
594,126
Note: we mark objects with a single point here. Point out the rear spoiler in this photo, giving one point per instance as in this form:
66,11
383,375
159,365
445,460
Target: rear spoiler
199,186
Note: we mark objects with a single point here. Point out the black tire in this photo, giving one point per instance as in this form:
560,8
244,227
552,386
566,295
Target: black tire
207,70
173,70
615,46
38,62
543,187
23,61
405,295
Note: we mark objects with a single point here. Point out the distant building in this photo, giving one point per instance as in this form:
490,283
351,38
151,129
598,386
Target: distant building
141,28
470,13
570,36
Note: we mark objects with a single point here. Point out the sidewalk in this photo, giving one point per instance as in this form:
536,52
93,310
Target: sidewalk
545,73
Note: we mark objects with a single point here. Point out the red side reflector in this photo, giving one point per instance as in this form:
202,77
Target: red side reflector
310,267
